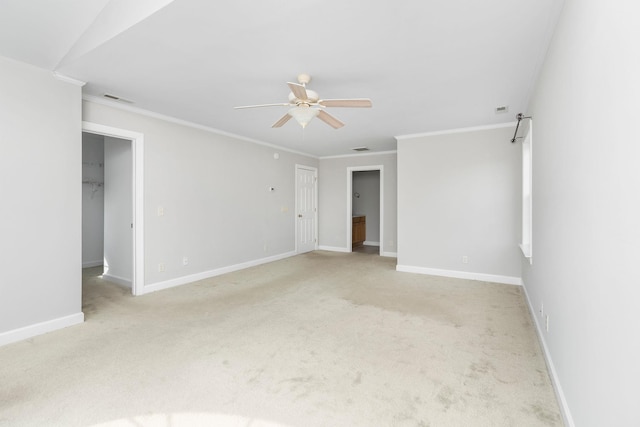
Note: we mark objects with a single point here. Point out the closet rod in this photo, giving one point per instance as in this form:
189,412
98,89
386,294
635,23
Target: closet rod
519,116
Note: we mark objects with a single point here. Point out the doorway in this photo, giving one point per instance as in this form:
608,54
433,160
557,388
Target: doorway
365,201
113,182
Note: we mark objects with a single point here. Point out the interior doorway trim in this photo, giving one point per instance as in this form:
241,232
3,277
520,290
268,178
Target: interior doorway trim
137,148
350,171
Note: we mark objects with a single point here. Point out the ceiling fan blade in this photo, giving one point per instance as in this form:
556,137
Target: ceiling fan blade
355,103
298,91
284,119
330,120
283,104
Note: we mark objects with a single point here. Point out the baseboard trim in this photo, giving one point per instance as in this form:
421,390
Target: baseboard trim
117,279
368,243
89,264
562,401
346,250
30,331
507,280
333,249
158,286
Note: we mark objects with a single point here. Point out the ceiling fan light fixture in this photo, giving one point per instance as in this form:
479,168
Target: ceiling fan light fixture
303,114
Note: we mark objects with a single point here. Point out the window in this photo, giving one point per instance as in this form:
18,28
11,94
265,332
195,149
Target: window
527,186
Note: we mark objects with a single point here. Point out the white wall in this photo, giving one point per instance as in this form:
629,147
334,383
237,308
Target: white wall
40,219
367,185
213,190
118,211
333,197
586,210
92,199
459,194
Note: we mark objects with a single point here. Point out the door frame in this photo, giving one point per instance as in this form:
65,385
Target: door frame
350,171
137,161
315,216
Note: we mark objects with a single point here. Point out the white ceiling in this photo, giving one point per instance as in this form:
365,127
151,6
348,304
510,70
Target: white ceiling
427,65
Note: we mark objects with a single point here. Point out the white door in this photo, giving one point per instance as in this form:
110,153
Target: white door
118,211
306,208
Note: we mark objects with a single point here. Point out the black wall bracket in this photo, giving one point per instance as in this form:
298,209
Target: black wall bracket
519,116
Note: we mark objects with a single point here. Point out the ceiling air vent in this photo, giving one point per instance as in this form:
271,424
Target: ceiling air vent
360,149
502,109
116,98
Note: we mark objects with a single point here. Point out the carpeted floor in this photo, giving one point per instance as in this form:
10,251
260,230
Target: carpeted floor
320,339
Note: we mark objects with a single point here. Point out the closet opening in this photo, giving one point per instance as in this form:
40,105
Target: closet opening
112,201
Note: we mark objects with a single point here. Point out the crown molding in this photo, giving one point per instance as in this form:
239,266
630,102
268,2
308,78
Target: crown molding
458,130
154,115
68,79
374,153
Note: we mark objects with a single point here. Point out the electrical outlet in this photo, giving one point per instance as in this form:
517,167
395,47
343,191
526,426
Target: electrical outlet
161,267
465,259
547,323
160,211
185,260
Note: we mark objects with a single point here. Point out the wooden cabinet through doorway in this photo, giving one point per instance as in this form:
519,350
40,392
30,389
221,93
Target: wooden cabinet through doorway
358,231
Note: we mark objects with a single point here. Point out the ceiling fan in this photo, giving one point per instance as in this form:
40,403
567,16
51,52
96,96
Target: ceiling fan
306,104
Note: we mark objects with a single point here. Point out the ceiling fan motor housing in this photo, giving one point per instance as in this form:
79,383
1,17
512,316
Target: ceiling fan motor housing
312,97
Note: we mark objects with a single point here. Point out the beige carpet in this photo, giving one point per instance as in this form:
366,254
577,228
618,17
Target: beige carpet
320,339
